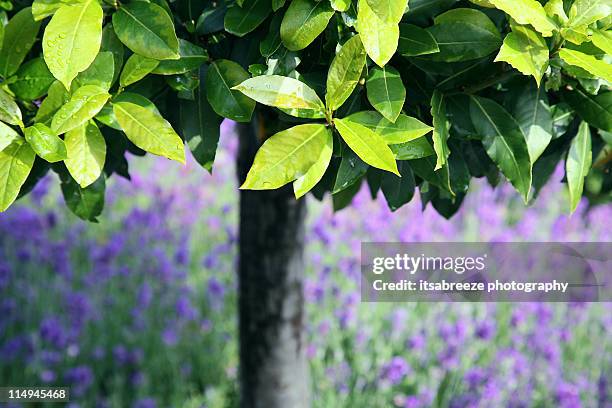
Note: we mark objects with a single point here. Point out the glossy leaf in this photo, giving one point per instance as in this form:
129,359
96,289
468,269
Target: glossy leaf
413,149
33,79
528,12
578,164
241,20
111,43
405,128
101,72
83,105
340,5
72,39
223,76
281,92
582,14
45,143
386,92
304,20
440,131
369,146
9,111
526,50
286,156
146,29
7,136
57,96
149,130
86,153
86,203
191,57
351,170
344,72
504,142
305,183
390,11
398,190
136,68
425,168
529,106
603,40
414,40
599,68
19,36
596,110
16,161
201,125
379,37
45,8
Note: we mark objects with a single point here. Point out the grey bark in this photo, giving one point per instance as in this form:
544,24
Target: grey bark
273,364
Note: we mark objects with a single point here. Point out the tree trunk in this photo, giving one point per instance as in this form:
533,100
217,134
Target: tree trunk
273,365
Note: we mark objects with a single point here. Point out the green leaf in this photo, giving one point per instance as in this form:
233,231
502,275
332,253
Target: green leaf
72,39
100,72
398,190
582,14
405,128
45,8
200,125
111,43
221,80
528,12
281,92
463,35
16,161
529,106
599,68
84,104
286,156
504,142
596,110
57,96
425,169
386,91
149,130
86,203
241,20
19,36
32,81
272,42
45,143
9,111
603,40
526,50
440,132
304,20
379,38
7,136
86,153
351,170
413,149
340,5
146,29
136,68
315,173
390,11
414,40
578,164
191,58
369,146
344,72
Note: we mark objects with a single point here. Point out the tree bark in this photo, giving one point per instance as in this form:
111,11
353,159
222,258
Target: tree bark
273,364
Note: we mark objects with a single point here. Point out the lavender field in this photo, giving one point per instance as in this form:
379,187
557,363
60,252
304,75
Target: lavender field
139,310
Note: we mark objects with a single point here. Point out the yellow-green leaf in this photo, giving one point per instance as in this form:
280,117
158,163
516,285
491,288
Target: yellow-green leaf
72,39
379,37
57,96
16,161
386,91
405,128
599,68
315,173
303,21
136,68
19,36
603,40
7,136
287,156
86,153
84,104
390,11
9,111
526,50
45,143
578,164
344,72
149,131
528,12
440,132
369,146
281,92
